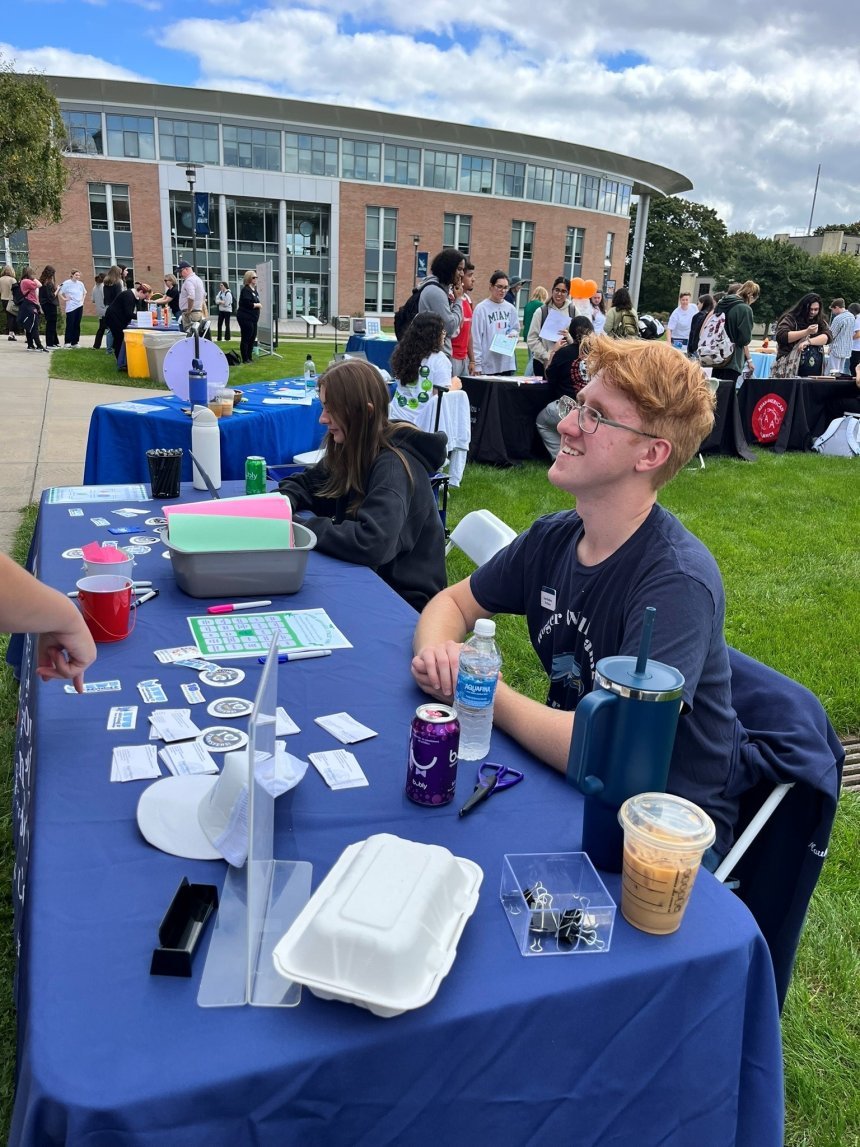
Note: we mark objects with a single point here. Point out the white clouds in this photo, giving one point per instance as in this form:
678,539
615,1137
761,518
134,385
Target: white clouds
743,99
60,62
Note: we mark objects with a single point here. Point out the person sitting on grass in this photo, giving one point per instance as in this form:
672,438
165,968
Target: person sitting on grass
370,494
584,577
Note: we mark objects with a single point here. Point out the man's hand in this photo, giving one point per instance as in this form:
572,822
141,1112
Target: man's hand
435,669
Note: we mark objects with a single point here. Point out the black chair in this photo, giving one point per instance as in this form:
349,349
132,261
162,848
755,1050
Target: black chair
785,739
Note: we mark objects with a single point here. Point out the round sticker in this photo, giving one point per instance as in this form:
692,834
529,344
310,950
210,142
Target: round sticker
73,553
222,738
221,678
155,522
230,707
136,549
143,540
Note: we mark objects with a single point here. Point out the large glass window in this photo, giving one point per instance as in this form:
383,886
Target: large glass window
130,136
83,132
564,188
589,186
402,164
624,199
310,154
361,160
380,243
457,232
186,141
539,183
476,174
110,225
252,147
510,178
522,243
573,251
610,191
440,169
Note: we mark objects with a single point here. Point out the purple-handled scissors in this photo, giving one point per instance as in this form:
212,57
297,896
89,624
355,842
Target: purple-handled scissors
490,778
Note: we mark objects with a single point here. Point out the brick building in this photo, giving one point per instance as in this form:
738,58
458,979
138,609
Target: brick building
347,203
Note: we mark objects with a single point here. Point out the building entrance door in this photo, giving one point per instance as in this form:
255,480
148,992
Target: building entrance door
306,299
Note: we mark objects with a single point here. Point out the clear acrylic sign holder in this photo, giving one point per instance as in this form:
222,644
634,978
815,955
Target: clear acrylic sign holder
260,901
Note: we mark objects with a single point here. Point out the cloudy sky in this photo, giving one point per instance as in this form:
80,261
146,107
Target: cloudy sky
745,99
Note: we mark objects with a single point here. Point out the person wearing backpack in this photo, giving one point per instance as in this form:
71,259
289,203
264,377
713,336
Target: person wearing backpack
442,292
622,322
736,306
540,349
706,306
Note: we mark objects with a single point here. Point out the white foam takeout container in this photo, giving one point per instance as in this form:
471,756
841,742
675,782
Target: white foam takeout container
382,929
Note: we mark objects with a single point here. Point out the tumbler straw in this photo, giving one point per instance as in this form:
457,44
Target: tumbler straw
645,641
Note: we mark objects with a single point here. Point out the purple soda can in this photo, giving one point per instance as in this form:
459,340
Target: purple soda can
434,742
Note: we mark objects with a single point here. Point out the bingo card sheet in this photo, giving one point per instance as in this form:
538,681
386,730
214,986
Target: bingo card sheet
223,635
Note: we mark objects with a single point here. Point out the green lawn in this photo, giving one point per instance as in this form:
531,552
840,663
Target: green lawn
784,531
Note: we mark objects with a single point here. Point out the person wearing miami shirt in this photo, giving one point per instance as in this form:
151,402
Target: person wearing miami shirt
462,353
494,316
71,297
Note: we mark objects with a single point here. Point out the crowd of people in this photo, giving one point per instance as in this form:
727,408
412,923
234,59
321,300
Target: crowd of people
30,305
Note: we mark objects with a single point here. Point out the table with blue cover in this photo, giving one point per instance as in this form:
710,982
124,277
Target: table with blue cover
119,438
762,364
672,1040
377,349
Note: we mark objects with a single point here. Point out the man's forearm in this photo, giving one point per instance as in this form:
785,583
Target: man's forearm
544,732
440,621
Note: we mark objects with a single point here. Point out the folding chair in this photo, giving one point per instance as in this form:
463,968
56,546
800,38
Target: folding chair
480,535
788,777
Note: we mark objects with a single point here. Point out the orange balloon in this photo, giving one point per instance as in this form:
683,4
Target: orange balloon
590,287
576,286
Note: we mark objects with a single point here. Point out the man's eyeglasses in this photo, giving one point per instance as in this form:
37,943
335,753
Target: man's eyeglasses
589,419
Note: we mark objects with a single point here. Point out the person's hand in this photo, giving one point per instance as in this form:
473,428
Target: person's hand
435,669
65,655
812,329
455,384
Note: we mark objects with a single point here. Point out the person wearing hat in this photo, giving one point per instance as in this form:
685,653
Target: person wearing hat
192,296
513,291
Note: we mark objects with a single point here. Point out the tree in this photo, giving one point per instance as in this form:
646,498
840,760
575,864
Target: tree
838,276
783,272
848,228
681,236
31,139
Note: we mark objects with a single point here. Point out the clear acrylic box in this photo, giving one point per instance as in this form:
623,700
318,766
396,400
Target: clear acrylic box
556,904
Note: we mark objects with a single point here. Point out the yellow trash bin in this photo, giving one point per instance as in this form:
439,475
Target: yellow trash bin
135,355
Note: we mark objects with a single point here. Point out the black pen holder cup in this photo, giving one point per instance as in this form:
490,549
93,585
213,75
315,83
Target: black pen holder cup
165,469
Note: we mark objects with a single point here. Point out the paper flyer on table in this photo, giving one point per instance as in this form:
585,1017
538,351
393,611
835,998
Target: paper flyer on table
223,636
504,342
60,495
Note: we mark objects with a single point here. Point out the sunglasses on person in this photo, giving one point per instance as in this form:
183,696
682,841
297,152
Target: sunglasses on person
589,419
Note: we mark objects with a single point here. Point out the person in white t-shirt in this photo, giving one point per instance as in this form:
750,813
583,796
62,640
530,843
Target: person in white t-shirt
420,366
71,296
679,322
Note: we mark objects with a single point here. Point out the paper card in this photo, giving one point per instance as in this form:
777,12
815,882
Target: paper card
63,494
96,687
208,533
505,342
153,731
134,763
173,724
557,322
192,693
177,653
187,758
122,717
195,662
284,724
345,728
130,512
151,692
247,506
100,521
339,769
76,513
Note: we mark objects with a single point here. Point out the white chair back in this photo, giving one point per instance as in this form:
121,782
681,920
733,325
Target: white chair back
481,534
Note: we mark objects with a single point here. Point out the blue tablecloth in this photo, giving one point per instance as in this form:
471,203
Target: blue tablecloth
378,350
672,1040
762,364
118,439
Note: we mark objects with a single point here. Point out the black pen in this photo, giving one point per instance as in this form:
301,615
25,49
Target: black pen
146,597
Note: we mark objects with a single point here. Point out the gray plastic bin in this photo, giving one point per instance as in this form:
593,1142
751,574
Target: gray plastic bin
244,573
156,347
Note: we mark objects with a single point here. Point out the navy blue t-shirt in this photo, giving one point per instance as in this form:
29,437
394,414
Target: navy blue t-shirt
578,614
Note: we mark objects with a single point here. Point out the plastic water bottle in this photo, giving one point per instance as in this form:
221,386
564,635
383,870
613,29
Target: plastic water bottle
310,369
206,447
480,662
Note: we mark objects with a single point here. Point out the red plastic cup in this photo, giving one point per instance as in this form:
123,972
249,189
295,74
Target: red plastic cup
105,601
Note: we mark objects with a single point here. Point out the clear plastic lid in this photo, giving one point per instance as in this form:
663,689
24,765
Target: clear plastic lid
667,821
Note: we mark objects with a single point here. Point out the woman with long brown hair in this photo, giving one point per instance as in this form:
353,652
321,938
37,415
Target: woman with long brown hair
48,303
370,495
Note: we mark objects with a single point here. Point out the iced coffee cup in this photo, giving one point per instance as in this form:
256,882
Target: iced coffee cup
665,838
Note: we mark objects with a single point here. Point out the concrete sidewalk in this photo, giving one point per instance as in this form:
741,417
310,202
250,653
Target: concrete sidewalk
45,428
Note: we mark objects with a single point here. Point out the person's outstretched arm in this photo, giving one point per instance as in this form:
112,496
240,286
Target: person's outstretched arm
65,646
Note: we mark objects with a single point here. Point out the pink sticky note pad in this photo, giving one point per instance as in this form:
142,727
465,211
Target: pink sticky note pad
255,506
